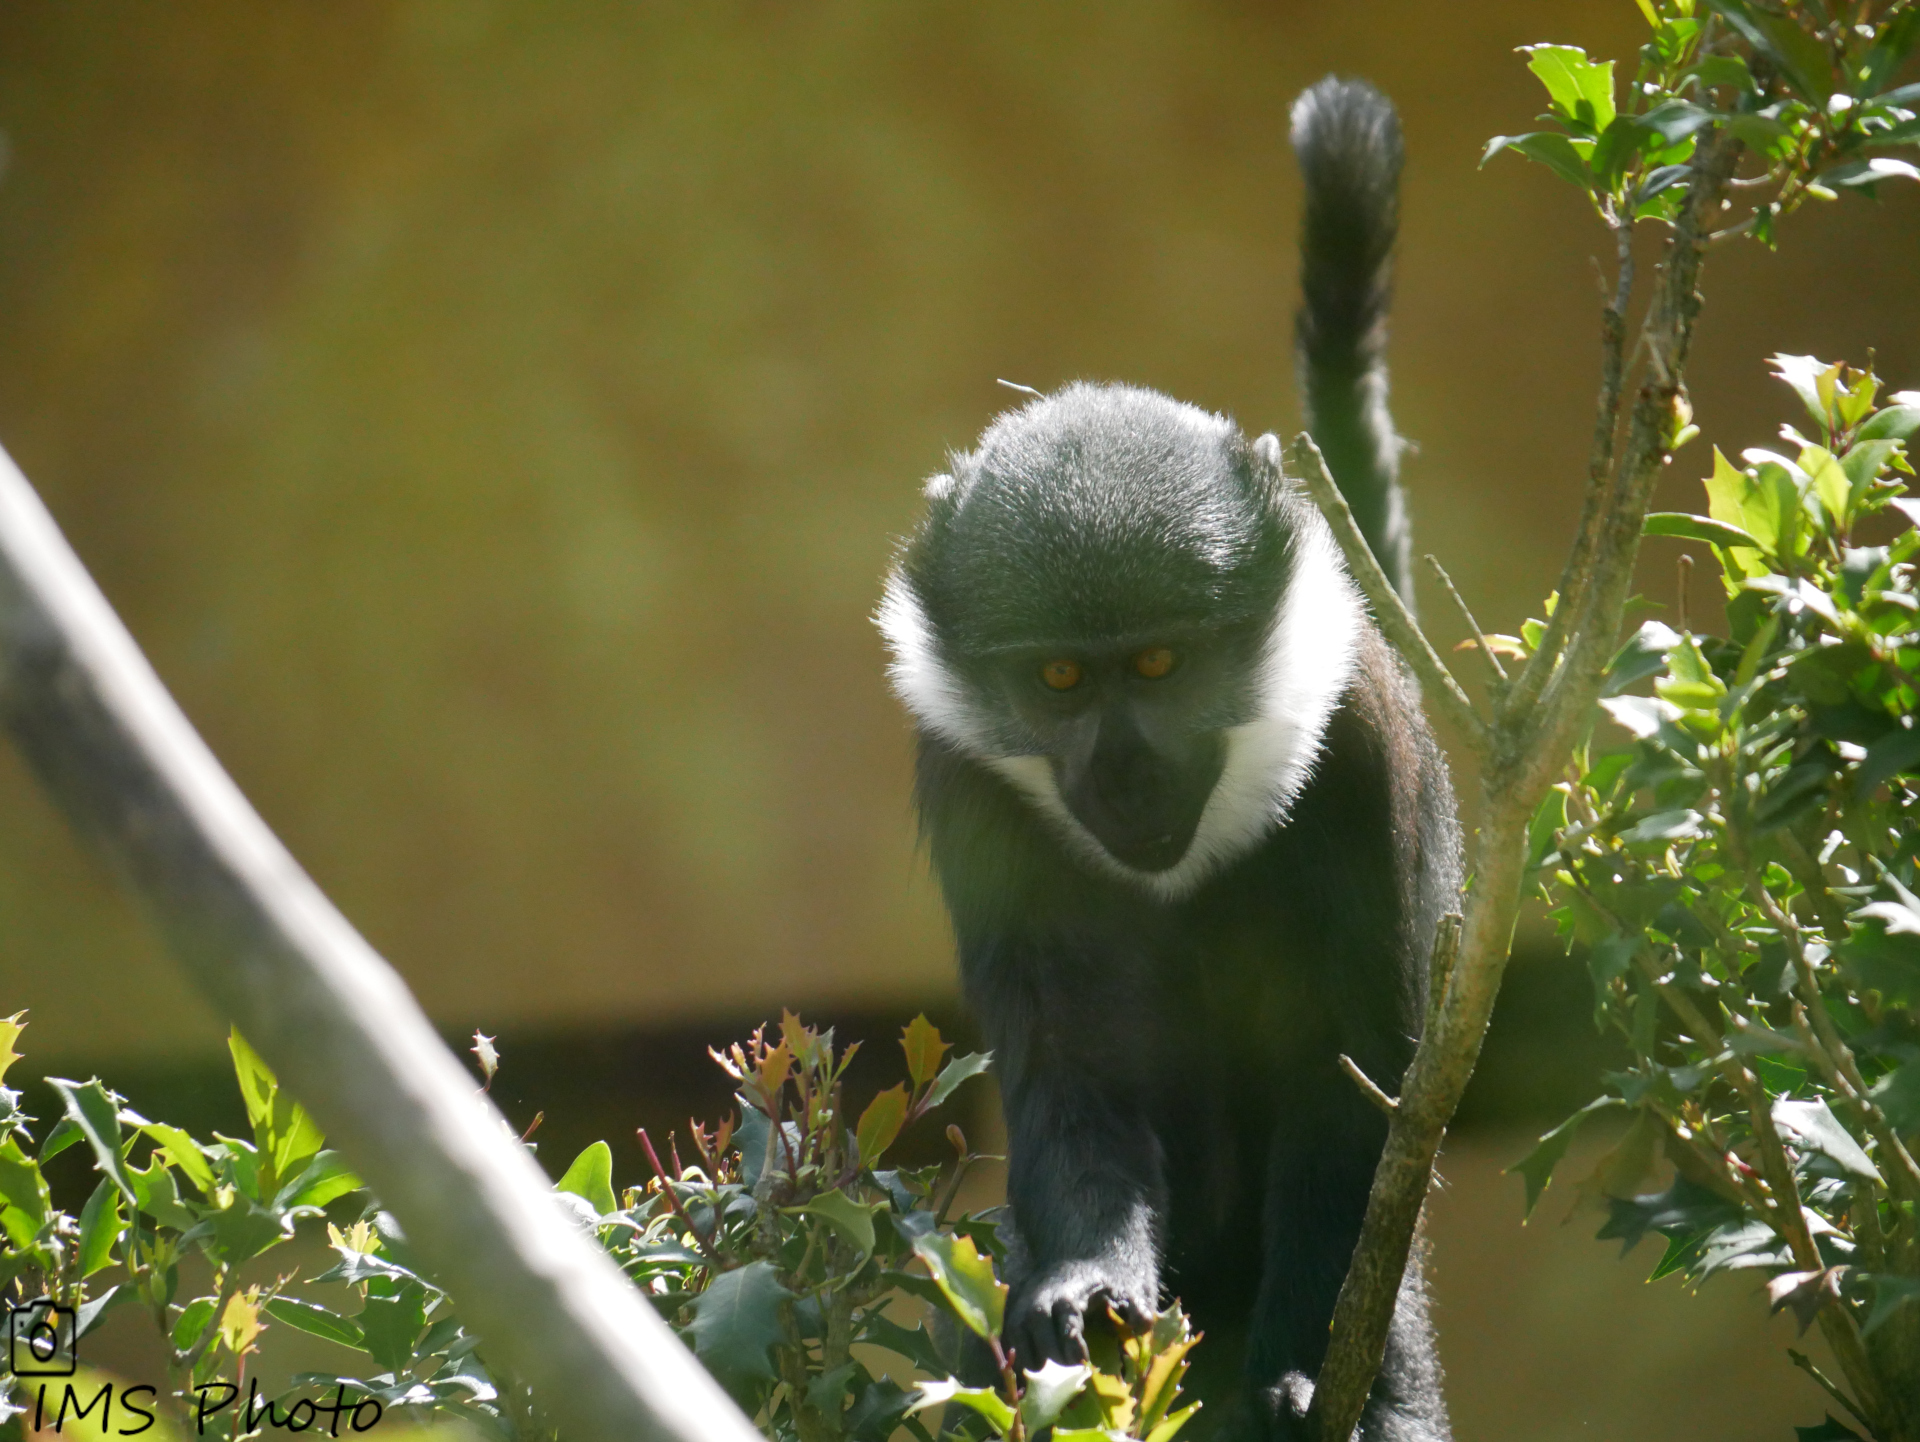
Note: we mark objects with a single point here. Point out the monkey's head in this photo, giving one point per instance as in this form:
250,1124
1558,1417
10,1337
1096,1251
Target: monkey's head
1121,606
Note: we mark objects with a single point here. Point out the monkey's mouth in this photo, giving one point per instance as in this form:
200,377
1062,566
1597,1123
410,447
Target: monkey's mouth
1142,805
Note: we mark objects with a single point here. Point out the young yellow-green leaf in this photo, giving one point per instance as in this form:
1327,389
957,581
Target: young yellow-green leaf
160,1195
240,1324
1170,1425
984,1400
10,1030
1763,506
100,1227
1690,683
852,1220
1856,400
286,1137
1830,482
184,1152
880,1123
920,1040
256,1080
965,1277
736,1321
591,1176
292,1137
24,1200
1581,89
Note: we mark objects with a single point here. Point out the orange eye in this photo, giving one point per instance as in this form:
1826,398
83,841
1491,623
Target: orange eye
1061,675
1154,662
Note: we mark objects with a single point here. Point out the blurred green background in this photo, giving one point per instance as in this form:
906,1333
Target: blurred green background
495,420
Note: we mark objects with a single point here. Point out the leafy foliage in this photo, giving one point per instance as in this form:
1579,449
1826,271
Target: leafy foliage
1742,877
784,1245
1809,90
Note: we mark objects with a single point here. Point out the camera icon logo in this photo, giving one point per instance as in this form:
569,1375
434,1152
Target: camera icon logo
40,1336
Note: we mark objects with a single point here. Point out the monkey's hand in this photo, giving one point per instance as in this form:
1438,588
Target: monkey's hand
1047,1314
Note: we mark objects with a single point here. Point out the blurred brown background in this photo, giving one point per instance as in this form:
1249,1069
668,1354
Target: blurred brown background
494,419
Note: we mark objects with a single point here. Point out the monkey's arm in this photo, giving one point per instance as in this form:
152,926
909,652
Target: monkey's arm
1084,1166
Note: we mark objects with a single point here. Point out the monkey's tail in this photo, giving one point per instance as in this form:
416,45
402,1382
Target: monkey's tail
1347,138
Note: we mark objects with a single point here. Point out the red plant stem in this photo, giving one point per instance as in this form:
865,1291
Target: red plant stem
673,1198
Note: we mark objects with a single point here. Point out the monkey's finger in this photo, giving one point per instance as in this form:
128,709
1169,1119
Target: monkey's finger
1067,1326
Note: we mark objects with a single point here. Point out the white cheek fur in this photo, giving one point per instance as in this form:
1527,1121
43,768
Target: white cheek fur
1307,665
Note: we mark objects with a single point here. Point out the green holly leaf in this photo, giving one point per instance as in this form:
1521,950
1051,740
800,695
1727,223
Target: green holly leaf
1049,1390
326,1178
184,1152
1695,528
735,1323
590,1176
966,1280
97,1115
316,1320
1536,1168
1895,422
389,1326
1565,157
101,1224
852,1220
1827,1431
1801,56
1811,1126
984,1400
959,1070
1580,89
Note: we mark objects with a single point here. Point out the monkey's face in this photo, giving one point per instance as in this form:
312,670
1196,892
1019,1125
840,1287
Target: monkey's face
1121,607
1132,731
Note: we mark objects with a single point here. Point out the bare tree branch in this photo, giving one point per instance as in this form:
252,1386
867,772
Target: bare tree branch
1523,752
334,1020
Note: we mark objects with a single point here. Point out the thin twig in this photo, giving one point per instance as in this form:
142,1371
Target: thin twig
1466,614
1805,1364
1606,426
1367,1088
1389,611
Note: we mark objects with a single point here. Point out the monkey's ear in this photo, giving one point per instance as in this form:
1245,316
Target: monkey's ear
1267,451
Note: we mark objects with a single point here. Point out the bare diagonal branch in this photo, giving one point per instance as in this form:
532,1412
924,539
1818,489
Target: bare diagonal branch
339,1026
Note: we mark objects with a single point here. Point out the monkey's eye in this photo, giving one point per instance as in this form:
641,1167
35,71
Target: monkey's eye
1154,662
1061,675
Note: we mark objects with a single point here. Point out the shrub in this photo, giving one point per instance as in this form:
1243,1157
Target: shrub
787,1253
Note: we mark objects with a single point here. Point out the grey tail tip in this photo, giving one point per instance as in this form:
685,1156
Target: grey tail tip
1339,121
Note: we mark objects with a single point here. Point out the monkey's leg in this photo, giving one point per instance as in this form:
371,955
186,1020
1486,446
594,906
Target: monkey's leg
1321,1169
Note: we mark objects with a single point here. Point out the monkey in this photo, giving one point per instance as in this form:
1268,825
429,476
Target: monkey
1192,831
